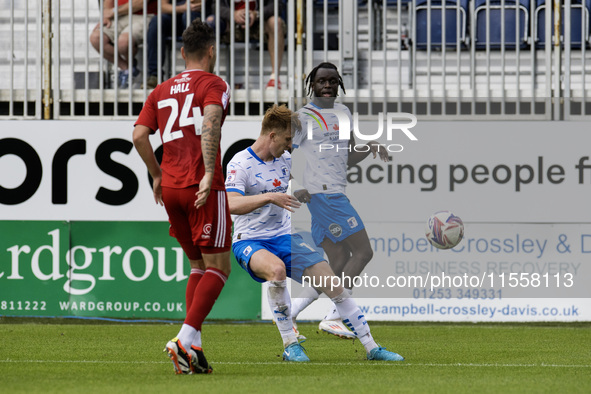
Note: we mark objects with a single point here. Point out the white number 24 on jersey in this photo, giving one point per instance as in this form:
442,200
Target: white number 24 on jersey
185,120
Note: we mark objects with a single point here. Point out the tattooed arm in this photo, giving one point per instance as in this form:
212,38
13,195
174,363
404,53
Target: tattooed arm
210,142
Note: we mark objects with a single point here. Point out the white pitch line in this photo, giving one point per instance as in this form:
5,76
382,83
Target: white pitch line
371,364
407,364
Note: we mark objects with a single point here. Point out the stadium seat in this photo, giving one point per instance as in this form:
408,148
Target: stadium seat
579,29
496,21
421,15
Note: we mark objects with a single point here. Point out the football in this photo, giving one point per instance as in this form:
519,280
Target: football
444,230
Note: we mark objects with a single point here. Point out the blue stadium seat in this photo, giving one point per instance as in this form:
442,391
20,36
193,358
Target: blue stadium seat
451,23
495,23
578,29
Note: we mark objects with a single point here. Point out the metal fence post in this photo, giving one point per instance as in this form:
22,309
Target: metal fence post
557,61
47,100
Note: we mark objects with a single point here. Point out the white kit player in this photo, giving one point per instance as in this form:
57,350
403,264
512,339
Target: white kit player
336,226
257,182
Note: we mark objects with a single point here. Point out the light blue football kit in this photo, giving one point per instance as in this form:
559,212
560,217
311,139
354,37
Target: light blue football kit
325,175
268,227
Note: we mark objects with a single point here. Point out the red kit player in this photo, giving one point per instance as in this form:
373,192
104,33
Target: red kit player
189,110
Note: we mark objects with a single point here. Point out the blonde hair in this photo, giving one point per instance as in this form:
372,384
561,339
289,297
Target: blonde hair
279,117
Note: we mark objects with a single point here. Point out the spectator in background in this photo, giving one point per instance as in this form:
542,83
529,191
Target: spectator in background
121,34
254,19
167,19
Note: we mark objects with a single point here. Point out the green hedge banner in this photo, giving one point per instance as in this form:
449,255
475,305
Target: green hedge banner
105,269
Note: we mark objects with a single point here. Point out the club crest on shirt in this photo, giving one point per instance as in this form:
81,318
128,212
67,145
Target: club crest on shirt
206,231
352,221
284,171
231,176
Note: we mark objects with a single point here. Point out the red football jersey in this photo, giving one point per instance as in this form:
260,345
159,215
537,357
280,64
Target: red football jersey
175,108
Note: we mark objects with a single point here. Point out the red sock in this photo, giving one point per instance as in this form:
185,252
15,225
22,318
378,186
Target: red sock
206,293
194,278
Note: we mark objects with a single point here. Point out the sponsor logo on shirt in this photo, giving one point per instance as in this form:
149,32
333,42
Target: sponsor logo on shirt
335,229
183,78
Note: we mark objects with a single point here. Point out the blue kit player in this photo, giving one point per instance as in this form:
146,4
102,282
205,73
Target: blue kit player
257,182
336,225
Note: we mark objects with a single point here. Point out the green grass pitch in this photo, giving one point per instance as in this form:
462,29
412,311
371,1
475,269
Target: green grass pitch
440,358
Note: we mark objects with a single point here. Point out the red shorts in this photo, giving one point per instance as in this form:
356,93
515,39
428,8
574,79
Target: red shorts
204,230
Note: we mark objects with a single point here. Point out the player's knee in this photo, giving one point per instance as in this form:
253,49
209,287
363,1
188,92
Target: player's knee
364,254
369,254
226,269
276,272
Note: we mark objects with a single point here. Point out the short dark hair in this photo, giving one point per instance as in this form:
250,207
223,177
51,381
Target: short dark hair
197,38
312,76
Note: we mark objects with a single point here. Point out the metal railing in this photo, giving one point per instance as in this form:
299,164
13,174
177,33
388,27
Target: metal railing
440,59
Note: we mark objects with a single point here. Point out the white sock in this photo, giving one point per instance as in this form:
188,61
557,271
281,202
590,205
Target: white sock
333,313
272,76
186,336
354,319
298,304
197,339
280,304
